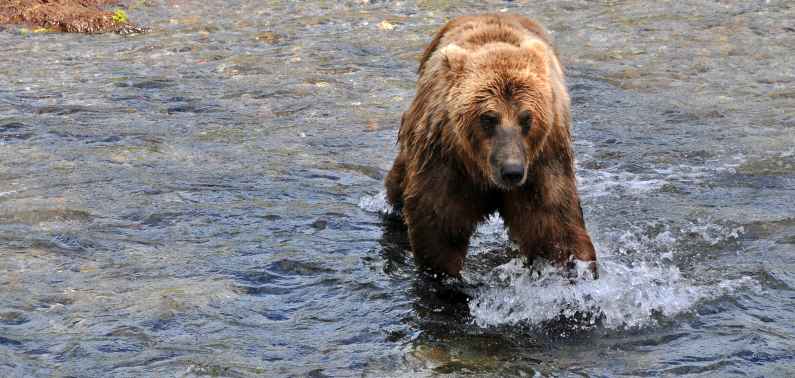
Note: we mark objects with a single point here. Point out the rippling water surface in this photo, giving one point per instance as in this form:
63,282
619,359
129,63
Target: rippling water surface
206,199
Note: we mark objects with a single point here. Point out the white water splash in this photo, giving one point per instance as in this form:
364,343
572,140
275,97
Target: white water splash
637,284
488,233
376,203
623,297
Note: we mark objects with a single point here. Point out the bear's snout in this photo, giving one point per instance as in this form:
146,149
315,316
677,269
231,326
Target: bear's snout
508,157
512,173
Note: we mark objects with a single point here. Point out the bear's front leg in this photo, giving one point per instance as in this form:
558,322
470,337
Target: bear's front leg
441,215
436,247
546,220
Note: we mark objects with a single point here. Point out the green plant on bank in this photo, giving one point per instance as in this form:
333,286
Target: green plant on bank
120,16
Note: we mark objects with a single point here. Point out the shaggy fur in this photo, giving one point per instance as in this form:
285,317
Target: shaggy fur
489,130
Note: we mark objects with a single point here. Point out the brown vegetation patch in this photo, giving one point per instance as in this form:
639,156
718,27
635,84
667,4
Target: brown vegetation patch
71,16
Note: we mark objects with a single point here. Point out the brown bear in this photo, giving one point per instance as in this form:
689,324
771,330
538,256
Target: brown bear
489,130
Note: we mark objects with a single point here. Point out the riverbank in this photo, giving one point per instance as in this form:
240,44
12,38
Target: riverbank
69,16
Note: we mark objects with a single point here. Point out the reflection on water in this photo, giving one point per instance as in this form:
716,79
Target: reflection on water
206,198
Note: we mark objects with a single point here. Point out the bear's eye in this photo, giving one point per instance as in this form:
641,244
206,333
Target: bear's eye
525,120
489,120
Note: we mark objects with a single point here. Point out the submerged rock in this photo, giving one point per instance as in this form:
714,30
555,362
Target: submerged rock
71,16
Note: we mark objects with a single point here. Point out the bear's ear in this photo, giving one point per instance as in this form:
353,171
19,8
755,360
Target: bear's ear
454,58
536,48
534,44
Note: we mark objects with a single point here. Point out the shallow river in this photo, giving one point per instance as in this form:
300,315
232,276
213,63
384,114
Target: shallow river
206,199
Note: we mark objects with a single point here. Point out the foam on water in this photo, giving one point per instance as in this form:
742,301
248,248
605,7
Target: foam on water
615,181
602,183
713,233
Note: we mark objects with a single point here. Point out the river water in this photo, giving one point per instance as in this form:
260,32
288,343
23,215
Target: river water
206,199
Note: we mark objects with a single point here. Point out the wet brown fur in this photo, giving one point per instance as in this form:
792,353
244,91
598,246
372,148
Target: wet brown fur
442,179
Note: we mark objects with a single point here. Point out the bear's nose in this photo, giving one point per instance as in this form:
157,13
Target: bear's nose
513,173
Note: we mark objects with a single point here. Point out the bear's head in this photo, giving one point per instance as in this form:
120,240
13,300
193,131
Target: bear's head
501,102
